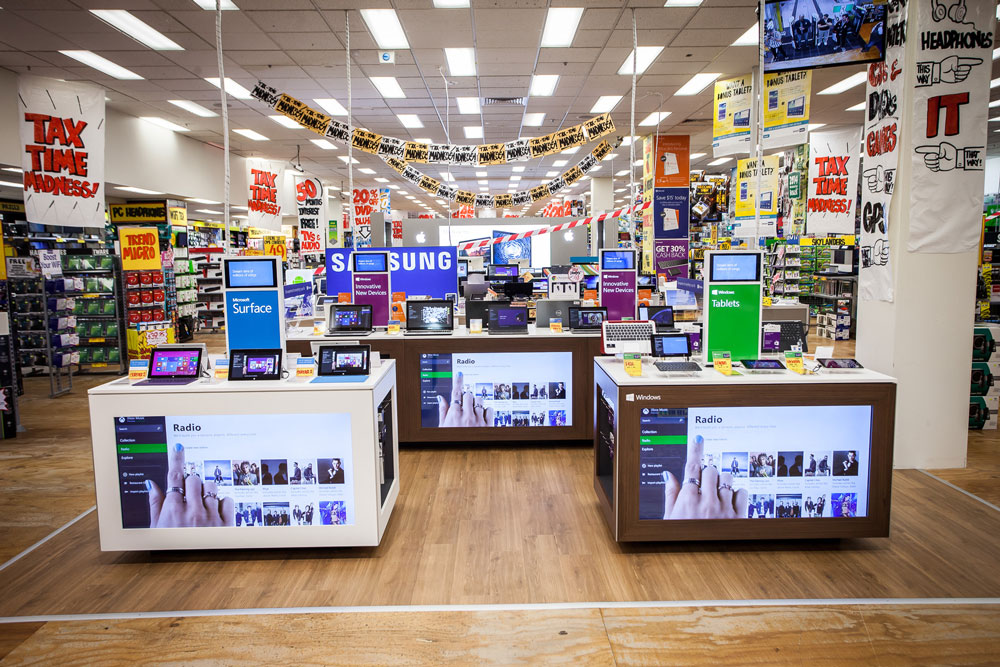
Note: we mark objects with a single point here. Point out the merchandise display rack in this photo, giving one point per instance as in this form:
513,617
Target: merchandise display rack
783,268
211,313
94,280
45,340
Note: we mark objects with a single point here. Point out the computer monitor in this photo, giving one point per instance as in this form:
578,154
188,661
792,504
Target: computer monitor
662,316
371,262
793,31
540,286
671,345
615,260
646,281
591,282
737,267
463,268
504,269
514,290
474,291
250,273
431,315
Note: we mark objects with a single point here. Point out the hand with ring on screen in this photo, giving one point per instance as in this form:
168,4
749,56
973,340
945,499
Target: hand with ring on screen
188,502
704,493
464,409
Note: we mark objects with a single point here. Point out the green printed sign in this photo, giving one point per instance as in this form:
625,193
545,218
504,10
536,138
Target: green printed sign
733,313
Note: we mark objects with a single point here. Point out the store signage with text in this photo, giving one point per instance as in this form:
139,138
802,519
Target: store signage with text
311,203
140,248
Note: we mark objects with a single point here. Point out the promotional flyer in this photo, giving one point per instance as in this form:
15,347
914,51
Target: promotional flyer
733,315
745,194
513,389
756,461
424,270
310,202
372,289
786,108
731,117
264,177
243,468
833,181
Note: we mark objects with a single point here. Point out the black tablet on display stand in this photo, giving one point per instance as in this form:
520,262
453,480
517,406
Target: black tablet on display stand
247,365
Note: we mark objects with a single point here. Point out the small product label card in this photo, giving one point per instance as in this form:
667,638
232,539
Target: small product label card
723,362
475,326
555,325
305,367
633,364
793,362
221,369
393,328
137,370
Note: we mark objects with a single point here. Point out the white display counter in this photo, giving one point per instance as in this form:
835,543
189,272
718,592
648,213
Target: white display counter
225,465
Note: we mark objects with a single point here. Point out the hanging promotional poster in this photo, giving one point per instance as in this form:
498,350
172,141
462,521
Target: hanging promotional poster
671,213
745,196
786,108
366,202
667,161
310,200
880,148
951,90
731,116
833,181
264,177
61,130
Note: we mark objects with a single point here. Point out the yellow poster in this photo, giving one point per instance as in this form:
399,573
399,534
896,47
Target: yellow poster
786,108
731,115
140,248
155,211
178,216
746,193
275,247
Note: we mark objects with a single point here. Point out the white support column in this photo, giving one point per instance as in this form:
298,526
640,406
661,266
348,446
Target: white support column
602,199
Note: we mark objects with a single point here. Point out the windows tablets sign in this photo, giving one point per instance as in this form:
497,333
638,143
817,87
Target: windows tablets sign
431,271
734,320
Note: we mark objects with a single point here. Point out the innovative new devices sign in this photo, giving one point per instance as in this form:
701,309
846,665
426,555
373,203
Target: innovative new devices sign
431,271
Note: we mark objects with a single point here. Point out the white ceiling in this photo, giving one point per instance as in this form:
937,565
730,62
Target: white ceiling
299,49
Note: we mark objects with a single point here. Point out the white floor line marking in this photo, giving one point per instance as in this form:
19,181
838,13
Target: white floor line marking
551,606
44,540
961,490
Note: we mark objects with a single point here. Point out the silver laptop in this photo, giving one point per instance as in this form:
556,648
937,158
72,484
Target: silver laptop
546,309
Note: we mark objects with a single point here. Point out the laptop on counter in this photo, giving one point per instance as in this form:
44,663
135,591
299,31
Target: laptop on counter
508,320
587,320
173,366
348,319
430,317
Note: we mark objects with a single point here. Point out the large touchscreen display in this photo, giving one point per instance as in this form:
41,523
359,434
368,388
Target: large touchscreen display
754,462
510,389
235,470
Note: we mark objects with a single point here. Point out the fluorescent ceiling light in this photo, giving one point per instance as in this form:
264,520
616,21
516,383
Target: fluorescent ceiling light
860,106
461,61
534,119
644,57
597,167
381,180
250,134
481,174
409,120
560,26
210,202
543,85
483,182
208,211
697,83
850,82
609,156
814,126
994,104
627,141
164,123
623,172
139,191
136,29
285,121
996,51
654,118
468,105
387,86
695,156
560,163
331,106
721,160
385,28
994,83
91,59
991,120
424,140
191,107
514,178
473,131
551,174
605,103
451,4
233,88
11,184
445,176
20,171
210,4
324,144
750,37
517,170
483,188
682,3
330,186
366,170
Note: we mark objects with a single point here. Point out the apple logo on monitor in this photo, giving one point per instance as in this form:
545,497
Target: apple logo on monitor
421,237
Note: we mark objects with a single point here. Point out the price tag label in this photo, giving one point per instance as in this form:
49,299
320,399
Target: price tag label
475,326
305,367
793,361
393,329
633,364
221,369
723,362
767,301
137,370
555,325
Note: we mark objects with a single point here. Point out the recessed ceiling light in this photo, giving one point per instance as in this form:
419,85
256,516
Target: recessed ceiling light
623,172
570,151
814,126
136,29
324,144
551,174
409,120
138,191
379,179
483,182
860,106
560,26
534,119
11,184
451,4
695,156
605,103
468,105
91,59
721,160
250,134
331,106
644,57
597,167
210,5
387,86
682,3
517,170
385,28
164,123
461,61
750,37
473,131
654,118
366,170
285,121
196,200
543,85
515,178
233,88
855,79
191,107
560,163
697,83
483,188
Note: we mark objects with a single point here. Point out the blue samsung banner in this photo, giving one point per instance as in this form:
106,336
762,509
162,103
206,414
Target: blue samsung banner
431,270
253,320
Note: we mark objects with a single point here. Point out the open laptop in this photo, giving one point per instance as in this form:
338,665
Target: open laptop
508,320
661,316
673,346
173,366
480,310
546,309
430,317
348,319
587,320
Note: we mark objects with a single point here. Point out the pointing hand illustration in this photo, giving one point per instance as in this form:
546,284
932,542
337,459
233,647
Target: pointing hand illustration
939,158
955,69
875,178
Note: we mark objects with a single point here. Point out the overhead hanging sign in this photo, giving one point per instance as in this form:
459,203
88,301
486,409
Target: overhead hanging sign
731,116
833,182
747,198
366,202
310,201
152,212
264,177
61,129
275,247
951,91
786,108
139,248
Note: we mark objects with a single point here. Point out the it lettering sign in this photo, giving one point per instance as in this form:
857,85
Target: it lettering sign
140,248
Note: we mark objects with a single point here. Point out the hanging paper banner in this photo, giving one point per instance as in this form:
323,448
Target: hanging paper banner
833,182
670,213
883,120
139,248
366,202
731,116
570,137
263,178
366,141
338,131
392,147
265,94
61,129
414,152
746,196
311,204
599,126
517,151
951,91
490,154
289,107
786,108
542,146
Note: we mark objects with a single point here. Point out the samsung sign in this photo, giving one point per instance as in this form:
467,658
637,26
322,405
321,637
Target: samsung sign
426,270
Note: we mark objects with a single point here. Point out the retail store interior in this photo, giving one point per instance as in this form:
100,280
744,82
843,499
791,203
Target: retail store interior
496,331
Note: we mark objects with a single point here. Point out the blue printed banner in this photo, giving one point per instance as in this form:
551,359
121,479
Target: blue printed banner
431,270
253,320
